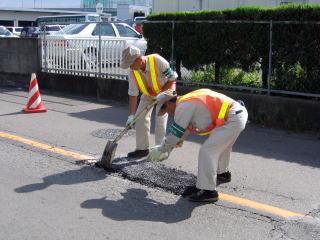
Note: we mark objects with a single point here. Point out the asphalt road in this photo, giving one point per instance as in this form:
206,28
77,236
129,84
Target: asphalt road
47,194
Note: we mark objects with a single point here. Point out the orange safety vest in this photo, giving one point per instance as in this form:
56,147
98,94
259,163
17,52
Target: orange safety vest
216,103
155,84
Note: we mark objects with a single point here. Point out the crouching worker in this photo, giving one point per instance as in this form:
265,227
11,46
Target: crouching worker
151,75
204,112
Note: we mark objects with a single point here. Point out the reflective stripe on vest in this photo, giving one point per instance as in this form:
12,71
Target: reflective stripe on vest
216,103
155,84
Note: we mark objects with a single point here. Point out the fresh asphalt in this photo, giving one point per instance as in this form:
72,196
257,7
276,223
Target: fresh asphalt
49,196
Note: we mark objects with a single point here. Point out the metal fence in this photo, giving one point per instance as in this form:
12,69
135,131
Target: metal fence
83,57
267,73
266,70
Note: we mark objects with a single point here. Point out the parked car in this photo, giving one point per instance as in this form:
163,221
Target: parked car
108,31
4,32
74,43
137,25
29,32
15,30
50,29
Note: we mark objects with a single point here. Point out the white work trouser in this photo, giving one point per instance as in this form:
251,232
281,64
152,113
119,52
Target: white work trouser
214,154
142,125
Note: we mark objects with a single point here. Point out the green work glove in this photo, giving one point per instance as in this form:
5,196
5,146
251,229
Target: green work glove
130,121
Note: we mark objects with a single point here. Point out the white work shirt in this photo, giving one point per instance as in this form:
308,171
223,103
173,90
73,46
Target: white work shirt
187,113
165,74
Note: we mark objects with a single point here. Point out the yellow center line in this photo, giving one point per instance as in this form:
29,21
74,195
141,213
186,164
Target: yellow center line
46,147
222,196
259,206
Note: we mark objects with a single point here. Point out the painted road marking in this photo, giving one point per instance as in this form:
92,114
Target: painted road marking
46,147
259,206
222,196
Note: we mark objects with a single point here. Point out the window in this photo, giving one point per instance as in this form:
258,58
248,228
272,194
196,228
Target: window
91,18
106,30
283,2
4,32
72,29
125,31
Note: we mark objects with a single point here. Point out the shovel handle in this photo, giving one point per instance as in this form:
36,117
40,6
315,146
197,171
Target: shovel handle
144,111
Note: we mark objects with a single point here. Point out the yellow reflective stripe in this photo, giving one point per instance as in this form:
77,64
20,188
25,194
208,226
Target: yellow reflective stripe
140,83
223,110
188,95
153,73
204,133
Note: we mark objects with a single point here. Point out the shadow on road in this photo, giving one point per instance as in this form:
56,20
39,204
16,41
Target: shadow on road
84,174
135,205
112,115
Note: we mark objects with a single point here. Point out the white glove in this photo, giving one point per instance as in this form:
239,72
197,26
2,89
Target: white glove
130,121
156,155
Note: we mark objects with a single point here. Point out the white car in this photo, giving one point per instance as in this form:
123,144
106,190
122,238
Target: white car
108,31
77,44
15,30
4,32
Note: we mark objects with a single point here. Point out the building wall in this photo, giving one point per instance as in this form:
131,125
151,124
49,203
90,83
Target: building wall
113,3
19,16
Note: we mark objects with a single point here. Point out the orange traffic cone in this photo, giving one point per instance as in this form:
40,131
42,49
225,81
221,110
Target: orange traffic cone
34,103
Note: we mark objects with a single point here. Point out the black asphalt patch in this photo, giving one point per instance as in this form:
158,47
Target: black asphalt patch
154,174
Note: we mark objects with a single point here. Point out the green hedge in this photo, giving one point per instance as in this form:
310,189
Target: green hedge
296,47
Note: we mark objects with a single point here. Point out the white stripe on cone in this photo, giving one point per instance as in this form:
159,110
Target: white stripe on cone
36,103
33,91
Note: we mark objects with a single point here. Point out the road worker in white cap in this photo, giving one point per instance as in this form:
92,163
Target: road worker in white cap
151,75
204,112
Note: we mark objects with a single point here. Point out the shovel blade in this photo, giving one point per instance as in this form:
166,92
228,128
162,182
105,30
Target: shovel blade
108,155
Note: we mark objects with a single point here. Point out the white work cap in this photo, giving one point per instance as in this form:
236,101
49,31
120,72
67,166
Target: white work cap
129,55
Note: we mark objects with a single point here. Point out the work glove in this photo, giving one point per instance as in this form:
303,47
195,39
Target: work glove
130,121
156,155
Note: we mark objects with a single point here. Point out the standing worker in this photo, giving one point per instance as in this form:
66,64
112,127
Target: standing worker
151,75
204,112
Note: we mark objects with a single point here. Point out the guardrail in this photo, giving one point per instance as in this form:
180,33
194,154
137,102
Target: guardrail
83,57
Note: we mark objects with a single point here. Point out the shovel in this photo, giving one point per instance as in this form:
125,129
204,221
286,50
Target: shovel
110,149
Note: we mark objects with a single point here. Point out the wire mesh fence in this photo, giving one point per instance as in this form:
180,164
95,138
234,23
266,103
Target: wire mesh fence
281,57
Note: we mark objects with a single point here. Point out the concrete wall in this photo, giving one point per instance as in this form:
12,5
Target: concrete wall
19,55
19,58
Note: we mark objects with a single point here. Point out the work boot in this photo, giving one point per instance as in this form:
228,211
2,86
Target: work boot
204,196
224,177
138,153
189,190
